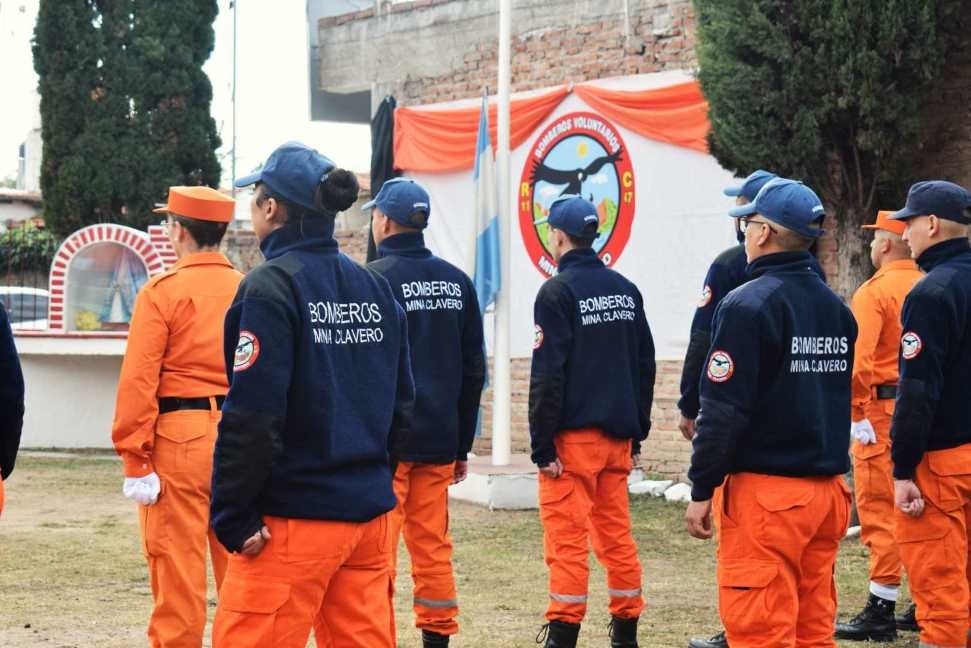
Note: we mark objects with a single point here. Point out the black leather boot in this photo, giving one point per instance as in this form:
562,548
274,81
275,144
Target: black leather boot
718,641
874,623
623,633
908,620
559,634
433,639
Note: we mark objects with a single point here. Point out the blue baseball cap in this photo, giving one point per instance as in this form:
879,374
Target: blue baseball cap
401,198
292,172
574,215
938,197
788,203
751,185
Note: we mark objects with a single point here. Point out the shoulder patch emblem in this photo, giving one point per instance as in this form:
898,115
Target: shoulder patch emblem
247,351
720,366
910,345
705,297
537,336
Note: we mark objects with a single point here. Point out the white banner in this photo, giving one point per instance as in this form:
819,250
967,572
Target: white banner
678,221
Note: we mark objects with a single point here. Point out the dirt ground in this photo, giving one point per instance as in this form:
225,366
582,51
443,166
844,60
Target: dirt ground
72,575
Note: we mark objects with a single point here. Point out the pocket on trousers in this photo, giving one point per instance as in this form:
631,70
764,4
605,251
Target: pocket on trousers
948,491
312,540
183,425
793,494
926,549
889,406
744,593
782,518
179,442
864,452
553,490
265,597
555,497
154,524
385,533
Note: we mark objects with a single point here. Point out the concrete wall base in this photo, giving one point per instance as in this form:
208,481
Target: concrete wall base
511,487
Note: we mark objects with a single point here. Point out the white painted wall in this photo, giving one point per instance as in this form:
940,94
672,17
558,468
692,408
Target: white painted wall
70,391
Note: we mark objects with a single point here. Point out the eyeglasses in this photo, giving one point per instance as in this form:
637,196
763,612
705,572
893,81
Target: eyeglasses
743,224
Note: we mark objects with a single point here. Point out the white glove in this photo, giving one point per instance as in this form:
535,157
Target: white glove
863,432
143,490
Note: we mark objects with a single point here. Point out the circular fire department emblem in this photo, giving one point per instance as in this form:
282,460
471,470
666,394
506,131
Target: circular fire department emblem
579,153
537,337
247,351
910,345
705,297
720,367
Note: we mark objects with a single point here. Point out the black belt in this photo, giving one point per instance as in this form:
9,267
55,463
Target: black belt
173,404
886,392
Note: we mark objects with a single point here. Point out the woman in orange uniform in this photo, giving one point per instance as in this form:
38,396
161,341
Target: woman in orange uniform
172,385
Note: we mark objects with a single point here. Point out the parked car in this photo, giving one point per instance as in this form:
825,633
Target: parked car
26,307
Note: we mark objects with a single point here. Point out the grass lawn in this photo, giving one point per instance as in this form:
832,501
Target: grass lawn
72,575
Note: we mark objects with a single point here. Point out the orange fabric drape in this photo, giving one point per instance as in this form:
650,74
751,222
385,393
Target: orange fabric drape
676,114
444,140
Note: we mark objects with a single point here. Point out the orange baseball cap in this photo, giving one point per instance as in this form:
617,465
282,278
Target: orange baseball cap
884,223
201,203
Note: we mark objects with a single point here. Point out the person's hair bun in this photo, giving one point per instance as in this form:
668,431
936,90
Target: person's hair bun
339,190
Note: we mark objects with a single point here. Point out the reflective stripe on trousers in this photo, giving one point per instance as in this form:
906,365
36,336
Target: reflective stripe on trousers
432,603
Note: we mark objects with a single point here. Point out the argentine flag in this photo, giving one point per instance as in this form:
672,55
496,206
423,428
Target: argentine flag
487,278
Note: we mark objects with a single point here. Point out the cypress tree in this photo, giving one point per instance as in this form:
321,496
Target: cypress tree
825,92
124,106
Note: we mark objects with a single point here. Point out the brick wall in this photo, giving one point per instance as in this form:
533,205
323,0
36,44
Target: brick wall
439,50
241,247
653,42
666,452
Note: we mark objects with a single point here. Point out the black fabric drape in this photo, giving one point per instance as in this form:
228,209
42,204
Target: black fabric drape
382,157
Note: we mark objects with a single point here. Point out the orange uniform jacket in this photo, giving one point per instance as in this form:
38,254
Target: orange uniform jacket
169,356
876,306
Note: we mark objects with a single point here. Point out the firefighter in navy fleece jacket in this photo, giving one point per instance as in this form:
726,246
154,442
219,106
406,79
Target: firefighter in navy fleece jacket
320,386
931,429
11,401
448,363
726,273
775,408
590,395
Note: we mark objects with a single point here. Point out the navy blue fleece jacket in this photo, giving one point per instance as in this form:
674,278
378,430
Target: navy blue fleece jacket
320,388
447,353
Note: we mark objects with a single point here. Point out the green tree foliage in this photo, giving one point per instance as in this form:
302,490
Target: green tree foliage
124,106
826,91
27,249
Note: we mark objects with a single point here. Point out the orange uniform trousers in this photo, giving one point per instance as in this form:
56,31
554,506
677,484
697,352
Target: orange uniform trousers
934,547
873,482
175,530
589,502
329,575
422,513
778,540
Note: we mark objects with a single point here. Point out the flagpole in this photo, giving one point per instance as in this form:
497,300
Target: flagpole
502,387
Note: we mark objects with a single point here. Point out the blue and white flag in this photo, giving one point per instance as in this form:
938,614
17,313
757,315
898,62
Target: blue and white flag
487,276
